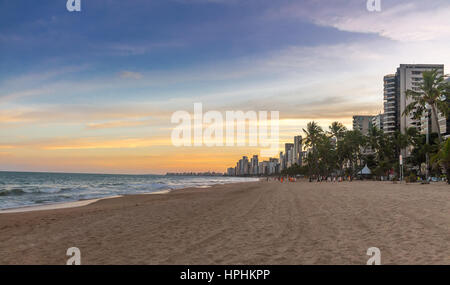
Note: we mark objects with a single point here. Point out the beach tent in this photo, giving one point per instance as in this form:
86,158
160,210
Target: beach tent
365,171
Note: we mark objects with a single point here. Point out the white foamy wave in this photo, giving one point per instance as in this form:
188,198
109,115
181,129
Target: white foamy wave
20,189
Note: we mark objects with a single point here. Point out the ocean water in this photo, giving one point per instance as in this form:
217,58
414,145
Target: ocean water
20,189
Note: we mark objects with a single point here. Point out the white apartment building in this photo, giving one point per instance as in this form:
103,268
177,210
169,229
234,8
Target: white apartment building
391,104
409,77
297,156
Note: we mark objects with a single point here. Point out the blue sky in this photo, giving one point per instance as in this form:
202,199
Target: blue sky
117,70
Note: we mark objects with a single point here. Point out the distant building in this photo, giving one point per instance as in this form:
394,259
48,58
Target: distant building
273,166
377,121
288,154
263,168
297,156
303,161
244,166
282,162
362,124
254,165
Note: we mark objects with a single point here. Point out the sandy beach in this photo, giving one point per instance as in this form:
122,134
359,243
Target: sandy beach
245,223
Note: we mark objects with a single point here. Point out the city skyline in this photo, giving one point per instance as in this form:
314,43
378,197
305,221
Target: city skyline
81,92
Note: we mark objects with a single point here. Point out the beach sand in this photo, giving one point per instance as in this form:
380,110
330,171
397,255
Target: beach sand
245,223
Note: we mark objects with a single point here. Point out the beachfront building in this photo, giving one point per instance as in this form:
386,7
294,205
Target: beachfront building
254,165
297,156
362,124
273,166
263,168
303,161
391,117
243,167
377,121
409,77
447,125
288,154
282,162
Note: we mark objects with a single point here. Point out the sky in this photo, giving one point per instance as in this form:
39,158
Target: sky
94,91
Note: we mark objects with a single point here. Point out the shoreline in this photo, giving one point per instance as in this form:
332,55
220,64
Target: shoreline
71,204
86,202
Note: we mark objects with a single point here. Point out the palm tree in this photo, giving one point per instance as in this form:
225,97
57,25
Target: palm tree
313,133
434,91
352,146
442,158
337,130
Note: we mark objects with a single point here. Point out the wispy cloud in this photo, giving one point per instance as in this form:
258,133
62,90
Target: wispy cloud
135,48
119,124
401,20
131,75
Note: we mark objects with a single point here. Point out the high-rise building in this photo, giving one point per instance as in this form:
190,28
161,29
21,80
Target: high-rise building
447,125
288,154
391,118
254,165
377,121
273,166
409,77
263,168
362,123
297,150
282,163
244,166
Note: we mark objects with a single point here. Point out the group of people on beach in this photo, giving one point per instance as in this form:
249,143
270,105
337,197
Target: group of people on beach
331,178
287,179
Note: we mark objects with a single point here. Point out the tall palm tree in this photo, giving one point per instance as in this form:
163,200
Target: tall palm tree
434,91
313,134
337,130
352,149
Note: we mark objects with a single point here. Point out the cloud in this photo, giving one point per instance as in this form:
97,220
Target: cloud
134,48
86,143
403,22
400,20
130,75
118,124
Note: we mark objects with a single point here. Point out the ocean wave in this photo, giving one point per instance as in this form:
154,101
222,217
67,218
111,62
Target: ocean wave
33,189
12,192
36,191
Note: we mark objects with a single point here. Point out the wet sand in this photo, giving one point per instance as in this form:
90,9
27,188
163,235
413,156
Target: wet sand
245,223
